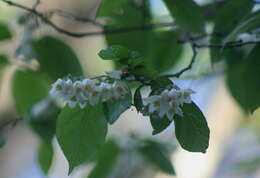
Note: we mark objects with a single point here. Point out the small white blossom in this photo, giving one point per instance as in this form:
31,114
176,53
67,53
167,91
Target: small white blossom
120,90
168,103
94,96
153,103
107,91
185,96
57,87
87,91
116,74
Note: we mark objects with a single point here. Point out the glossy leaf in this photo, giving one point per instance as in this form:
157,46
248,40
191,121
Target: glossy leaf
106,160
244,82
113,109
28,89
45,156
5,33
226,21
249,23
153,153
56,58
187,14
159,124
138,102
81,133
192,129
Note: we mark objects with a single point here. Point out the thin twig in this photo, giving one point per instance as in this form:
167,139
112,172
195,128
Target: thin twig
37,3
178,74
71,16
7,122
143,27
85,34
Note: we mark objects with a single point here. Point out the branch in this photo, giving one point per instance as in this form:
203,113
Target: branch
7,122
85,34
178,74
73,17
143,27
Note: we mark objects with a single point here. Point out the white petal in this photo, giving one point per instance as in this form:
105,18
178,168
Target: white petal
150,99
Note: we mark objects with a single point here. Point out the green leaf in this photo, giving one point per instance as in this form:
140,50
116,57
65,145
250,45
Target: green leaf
45,124
226,21
192,129
106,160
2,142
249,23
153,152
3,60
28,89
115,52
56,58
160,83
5,33
45,156
81,133
138,102
159,124
244,82
158,48
113,109
187,14
3,64
125,14
163,52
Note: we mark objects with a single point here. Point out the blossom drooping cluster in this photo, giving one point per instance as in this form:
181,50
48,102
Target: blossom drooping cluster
168,103
88,91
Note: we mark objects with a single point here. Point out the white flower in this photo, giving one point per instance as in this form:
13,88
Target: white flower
94,95
168,103
72,101
62,88
67,90
57,87
106,91
174,110
116,74
185,96
120,90
87,91
153,103
78,95
165,104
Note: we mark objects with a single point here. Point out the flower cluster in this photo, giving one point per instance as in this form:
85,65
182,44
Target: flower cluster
88,91
168,103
